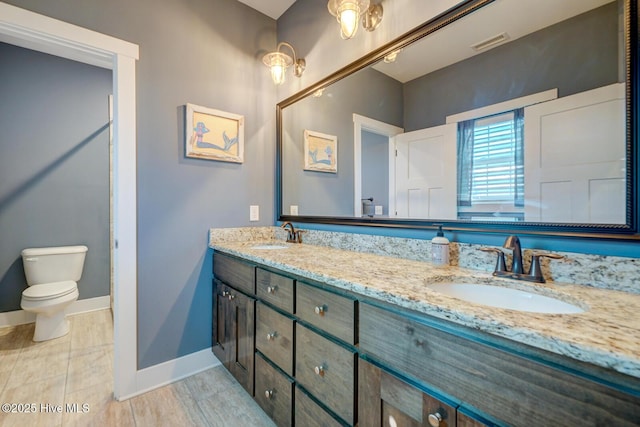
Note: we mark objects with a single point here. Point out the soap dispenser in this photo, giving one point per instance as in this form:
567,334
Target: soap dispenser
440,248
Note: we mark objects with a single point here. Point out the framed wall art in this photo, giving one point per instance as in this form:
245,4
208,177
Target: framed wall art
321,152
213,134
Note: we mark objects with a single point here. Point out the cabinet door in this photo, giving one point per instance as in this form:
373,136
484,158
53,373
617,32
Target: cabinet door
222,323
384,400
242,331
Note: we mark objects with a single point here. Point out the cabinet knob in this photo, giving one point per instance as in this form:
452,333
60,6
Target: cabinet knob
268,394
271,336
434,419
231,297
319,310
319,370
225,293
271,289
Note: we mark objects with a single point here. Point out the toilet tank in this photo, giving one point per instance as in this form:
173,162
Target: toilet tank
53,264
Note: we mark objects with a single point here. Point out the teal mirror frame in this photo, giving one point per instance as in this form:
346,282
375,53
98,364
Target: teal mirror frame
627,231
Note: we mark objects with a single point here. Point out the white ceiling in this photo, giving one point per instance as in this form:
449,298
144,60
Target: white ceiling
271,8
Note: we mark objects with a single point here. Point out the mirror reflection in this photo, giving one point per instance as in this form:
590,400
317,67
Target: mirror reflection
514,113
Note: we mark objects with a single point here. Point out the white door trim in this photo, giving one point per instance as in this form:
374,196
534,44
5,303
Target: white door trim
41,33
361,123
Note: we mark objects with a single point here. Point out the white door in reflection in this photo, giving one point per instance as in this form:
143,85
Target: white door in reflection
575,158
426,173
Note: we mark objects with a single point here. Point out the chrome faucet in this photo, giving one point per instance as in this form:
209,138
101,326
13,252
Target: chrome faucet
517,270
293,235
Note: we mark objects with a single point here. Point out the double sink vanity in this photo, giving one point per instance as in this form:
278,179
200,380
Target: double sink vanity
325,336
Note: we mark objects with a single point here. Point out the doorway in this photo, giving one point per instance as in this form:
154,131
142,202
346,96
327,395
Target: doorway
40,33
361,125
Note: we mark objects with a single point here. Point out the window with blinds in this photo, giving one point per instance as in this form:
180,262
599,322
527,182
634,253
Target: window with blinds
491,166
493,175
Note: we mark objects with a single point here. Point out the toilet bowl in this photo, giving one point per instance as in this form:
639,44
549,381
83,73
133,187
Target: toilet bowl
52,274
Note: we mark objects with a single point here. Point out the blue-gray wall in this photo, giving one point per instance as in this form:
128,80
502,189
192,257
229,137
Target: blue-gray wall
375,169
54,165
205,52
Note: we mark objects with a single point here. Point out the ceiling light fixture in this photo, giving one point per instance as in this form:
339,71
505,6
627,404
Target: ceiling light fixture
278,62
348,12
391,58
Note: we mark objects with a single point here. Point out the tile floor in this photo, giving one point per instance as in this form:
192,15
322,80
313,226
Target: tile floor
77,369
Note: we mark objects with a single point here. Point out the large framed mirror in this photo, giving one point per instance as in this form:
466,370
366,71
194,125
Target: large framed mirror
498,115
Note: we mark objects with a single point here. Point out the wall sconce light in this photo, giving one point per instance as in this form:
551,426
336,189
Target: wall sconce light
278,62
348,12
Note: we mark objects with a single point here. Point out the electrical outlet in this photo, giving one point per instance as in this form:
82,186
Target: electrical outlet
254,213
378,210
293,210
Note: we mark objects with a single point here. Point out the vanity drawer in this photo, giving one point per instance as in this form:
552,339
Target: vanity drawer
234,272
274,392
395,339
327,370
274,337
275,289
330,312
309,414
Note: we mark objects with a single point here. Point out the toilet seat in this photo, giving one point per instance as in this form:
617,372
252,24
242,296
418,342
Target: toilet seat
47,291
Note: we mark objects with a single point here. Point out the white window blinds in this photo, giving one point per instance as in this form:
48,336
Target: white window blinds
490,160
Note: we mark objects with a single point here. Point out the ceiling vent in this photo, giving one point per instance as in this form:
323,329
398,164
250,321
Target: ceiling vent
490,42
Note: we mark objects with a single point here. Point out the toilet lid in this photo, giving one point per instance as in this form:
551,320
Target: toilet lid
49,290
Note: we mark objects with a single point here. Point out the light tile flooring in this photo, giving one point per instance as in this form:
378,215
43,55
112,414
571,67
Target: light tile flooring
78,369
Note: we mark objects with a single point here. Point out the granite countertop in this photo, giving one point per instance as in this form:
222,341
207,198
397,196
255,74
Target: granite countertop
606,334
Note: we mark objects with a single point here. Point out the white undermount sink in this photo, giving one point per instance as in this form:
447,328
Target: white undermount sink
502,297
269,246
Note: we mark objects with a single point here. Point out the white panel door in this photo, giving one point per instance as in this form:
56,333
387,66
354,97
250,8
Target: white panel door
426,173
575,158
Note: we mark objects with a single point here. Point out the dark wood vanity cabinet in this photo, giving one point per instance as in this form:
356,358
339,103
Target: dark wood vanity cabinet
325,358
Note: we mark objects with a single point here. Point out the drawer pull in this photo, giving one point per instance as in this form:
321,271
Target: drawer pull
271,336
319,310
319,370
231,297
271,289
435,419
225,293
268,394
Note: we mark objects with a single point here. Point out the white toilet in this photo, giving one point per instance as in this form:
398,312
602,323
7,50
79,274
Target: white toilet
52,275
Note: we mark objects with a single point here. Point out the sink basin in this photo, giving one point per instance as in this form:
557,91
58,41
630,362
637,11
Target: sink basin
501,297
269,246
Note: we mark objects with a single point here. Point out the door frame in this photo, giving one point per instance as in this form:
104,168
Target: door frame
37,32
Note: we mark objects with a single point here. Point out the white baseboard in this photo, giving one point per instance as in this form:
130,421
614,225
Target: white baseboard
173,370
90,304
20,317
